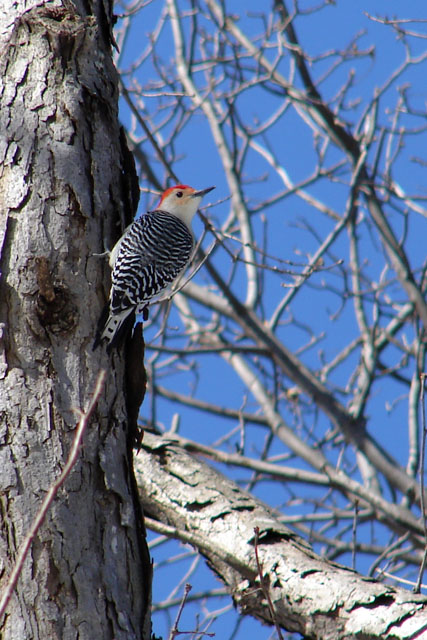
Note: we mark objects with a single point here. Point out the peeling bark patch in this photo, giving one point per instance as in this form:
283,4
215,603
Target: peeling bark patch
53,582
245,507
54,307
62,28
44,280
309,572
185,481
271,536
236,508
197,506
218,516
383,600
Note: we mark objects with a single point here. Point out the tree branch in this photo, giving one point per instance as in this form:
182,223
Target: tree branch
310,595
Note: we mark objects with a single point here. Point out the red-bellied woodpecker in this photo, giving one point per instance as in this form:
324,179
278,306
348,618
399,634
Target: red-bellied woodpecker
149,256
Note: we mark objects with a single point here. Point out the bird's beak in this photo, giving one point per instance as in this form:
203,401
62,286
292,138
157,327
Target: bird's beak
200,194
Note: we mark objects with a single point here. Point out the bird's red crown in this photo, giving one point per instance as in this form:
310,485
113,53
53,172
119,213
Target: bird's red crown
171,189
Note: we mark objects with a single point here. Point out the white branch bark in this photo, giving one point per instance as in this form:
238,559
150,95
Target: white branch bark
320,599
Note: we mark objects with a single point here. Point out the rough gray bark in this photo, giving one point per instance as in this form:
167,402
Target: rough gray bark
317,598
63,194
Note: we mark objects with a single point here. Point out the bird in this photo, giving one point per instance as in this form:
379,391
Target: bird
152,252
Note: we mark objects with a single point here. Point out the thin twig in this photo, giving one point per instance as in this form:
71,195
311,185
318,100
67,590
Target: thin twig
387,551
354,534
53,490
401,580
422,460
174,631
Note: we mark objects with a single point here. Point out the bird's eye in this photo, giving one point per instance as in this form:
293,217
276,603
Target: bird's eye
179,194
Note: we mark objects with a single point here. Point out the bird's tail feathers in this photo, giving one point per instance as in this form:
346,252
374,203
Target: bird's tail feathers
113,328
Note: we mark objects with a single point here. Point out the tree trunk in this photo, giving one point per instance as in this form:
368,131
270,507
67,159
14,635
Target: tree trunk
319,599
64,194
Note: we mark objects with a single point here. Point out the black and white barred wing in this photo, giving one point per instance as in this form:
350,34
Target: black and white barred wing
151,254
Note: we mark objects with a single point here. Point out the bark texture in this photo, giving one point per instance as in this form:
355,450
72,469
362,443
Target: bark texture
318,598
64,194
